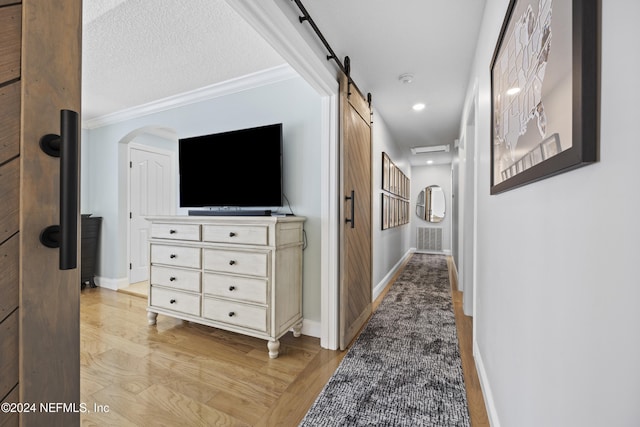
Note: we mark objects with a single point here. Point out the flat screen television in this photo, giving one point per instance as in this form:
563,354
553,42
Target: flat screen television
239,168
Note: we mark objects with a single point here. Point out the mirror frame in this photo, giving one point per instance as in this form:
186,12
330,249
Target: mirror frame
425,201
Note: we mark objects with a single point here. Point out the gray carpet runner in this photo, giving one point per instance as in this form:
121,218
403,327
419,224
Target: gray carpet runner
404,369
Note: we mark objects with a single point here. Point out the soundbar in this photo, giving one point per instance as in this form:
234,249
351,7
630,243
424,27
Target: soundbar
265,212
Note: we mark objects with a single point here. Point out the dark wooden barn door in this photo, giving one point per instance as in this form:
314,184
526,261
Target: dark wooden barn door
10,30
355,260
39,303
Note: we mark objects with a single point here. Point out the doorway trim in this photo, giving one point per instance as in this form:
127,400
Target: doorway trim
272,23
469,205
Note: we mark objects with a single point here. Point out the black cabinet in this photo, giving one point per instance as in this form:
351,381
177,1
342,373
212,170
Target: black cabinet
90,239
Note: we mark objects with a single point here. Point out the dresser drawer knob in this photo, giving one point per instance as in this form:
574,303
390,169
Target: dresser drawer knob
232,262
173,256
231,314
172,279
232,288
173,301
173,231
232,234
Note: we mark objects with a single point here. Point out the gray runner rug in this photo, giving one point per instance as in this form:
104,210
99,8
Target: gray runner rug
404,369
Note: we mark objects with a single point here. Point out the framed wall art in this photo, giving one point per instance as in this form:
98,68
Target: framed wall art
544,91
395,196
385,172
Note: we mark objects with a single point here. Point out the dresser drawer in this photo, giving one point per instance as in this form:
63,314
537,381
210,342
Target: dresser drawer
170,299
175,255
189,232
240,234
246,316
250,263
235,287
188,280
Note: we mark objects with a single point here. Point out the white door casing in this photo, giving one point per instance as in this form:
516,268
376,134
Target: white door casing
151,193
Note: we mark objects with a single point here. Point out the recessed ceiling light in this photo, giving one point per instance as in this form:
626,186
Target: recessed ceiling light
429,162
418,107
513,91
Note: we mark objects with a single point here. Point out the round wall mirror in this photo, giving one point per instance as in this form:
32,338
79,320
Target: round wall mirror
430,204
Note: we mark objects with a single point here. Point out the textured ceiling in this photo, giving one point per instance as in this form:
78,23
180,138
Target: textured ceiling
138,51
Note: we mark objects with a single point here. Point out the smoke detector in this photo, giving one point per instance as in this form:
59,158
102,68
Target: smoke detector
405,78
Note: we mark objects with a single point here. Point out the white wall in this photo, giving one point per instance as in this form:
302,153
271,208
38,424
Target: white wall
392,245
84,171
291,102
421,177
557,324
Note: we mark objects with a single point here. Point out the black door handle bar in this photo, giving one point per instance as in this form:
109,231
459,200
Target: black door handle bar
352,220
65,146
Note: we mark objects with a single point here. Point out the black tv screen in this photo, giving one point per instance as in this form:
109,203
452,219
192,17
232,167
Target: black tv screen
240,168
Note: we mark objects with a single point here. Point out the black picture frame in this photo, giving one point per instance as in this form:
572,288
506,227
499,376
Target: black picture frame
539,160
394,204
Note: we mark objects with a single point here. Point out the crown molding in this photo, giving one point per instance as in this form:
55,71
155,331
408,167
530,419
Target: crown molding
272,23
235,85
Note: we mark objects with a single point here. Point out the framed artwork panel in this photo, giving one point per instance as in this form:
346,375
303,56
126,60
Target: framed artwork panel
544,91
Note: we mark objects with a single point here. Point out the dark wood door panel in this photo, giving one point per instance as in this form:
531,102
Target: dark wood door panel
8,354
9,121
10,52
9,199
49,297
7,2
10,419
9,265
10,42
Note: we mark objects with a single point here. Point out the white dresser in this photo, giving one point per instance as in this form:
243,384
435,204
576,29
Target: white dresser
242,274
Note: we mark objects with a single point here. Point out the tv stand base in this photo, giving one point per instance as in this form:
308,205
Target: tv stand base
261,212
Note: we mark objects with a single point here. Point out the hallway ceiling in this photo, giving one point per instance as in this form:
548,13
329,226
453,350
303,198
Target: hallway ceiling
139,51
433,40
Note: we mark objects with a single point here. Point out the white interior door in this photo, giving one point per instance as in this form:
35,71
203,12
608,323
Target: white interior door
151,192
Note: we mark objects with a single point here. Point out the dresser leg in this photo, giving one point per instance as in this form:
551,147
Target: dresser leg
274,347
297,329
151,317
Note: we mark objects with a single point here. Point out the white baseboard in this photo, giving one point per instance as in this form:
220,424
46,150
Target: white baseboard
311,328
489,403
377,290
110,283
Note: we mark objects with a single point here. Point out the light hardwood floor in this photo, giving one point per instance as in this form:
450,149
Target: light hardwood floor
464,326
180,373
140,289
